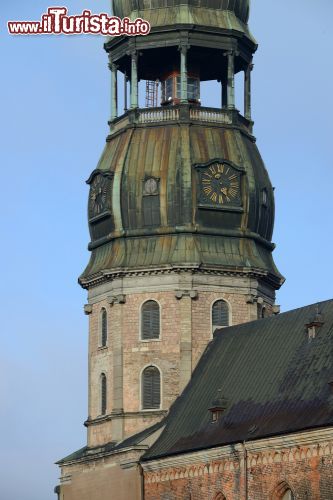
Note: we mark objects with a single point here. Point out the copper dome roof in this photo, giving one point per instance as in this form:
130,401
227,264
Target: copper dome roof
185,234
126,8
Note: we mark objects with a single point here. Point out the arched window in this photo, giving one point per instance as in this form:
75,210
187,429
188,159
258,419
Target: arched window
219,496
103,328
283,492
220,314
103,394
262,312
288,495
150,320
151,388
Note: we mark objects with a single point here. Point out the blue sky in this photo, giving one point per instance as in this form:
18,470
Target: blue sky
55,105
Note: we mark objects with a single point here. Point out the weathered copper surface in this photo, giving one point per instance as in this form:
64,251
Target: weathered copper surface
161,9
187,235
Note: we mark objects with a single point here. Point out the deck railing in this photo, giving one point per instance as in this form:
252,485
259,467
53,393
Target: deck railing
152,115
210,115
182,113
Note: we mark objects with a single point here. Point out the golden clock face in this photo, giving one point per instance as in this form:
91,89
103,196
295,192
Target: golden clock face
220,185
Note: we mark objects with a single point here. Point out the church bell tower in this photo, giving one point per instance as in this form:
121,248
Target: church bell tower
181,211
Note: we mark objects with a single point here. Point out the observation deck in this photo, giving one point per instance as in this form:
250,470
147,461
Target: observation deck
181,113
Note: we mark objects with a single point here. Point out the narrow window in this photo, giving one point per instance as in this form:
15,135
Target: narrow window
220,314
103,394
150,321
104,328
151,211
151,202
151,388
262,313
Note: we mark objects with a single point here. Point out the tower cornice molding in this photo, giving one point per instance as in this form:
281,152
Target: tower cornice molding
107,276
116,414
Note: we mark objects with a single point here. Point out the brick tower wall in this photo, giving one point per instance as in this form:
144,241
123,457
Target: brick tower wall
185,331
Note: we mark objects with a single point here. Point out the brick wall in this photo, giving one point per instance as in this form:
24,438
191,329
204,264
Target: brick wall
305,469
186,329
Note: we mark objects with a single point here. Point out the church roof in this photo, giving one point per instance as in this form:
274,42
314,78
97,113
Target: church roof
275,379
134,441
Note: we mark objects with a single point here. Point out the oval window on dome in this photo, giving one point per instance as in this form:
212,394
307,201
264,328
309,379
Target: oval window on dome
264,197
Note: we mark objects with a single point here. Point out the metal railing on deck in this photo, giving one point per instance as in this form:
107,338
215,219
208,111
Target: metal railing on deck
210,115
183,113
153,115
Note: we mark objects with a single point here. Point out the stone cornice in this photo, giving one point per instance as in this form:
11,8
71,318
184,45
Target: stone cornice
192,458
120,414
298,439
102,454
278,449
110,275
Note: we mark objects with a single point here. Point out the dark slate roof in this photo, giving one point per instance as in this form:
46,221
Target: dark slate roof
130,442
275,381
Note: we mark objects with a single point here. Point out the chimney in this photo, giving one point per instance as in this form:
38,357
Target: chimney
219,405
314,324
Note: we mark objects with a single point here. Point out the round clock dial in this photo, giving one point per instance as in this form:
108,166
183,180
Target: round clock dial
221,184
98,196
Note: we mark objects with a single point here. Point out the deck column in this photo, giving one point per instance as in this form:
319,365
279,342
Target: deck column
247,92
231,80
183,74
125,92
134,80
224,92
114,90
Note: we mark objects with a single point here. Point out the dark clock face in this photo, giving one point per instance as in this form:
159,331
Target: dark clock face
98,201
220,185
